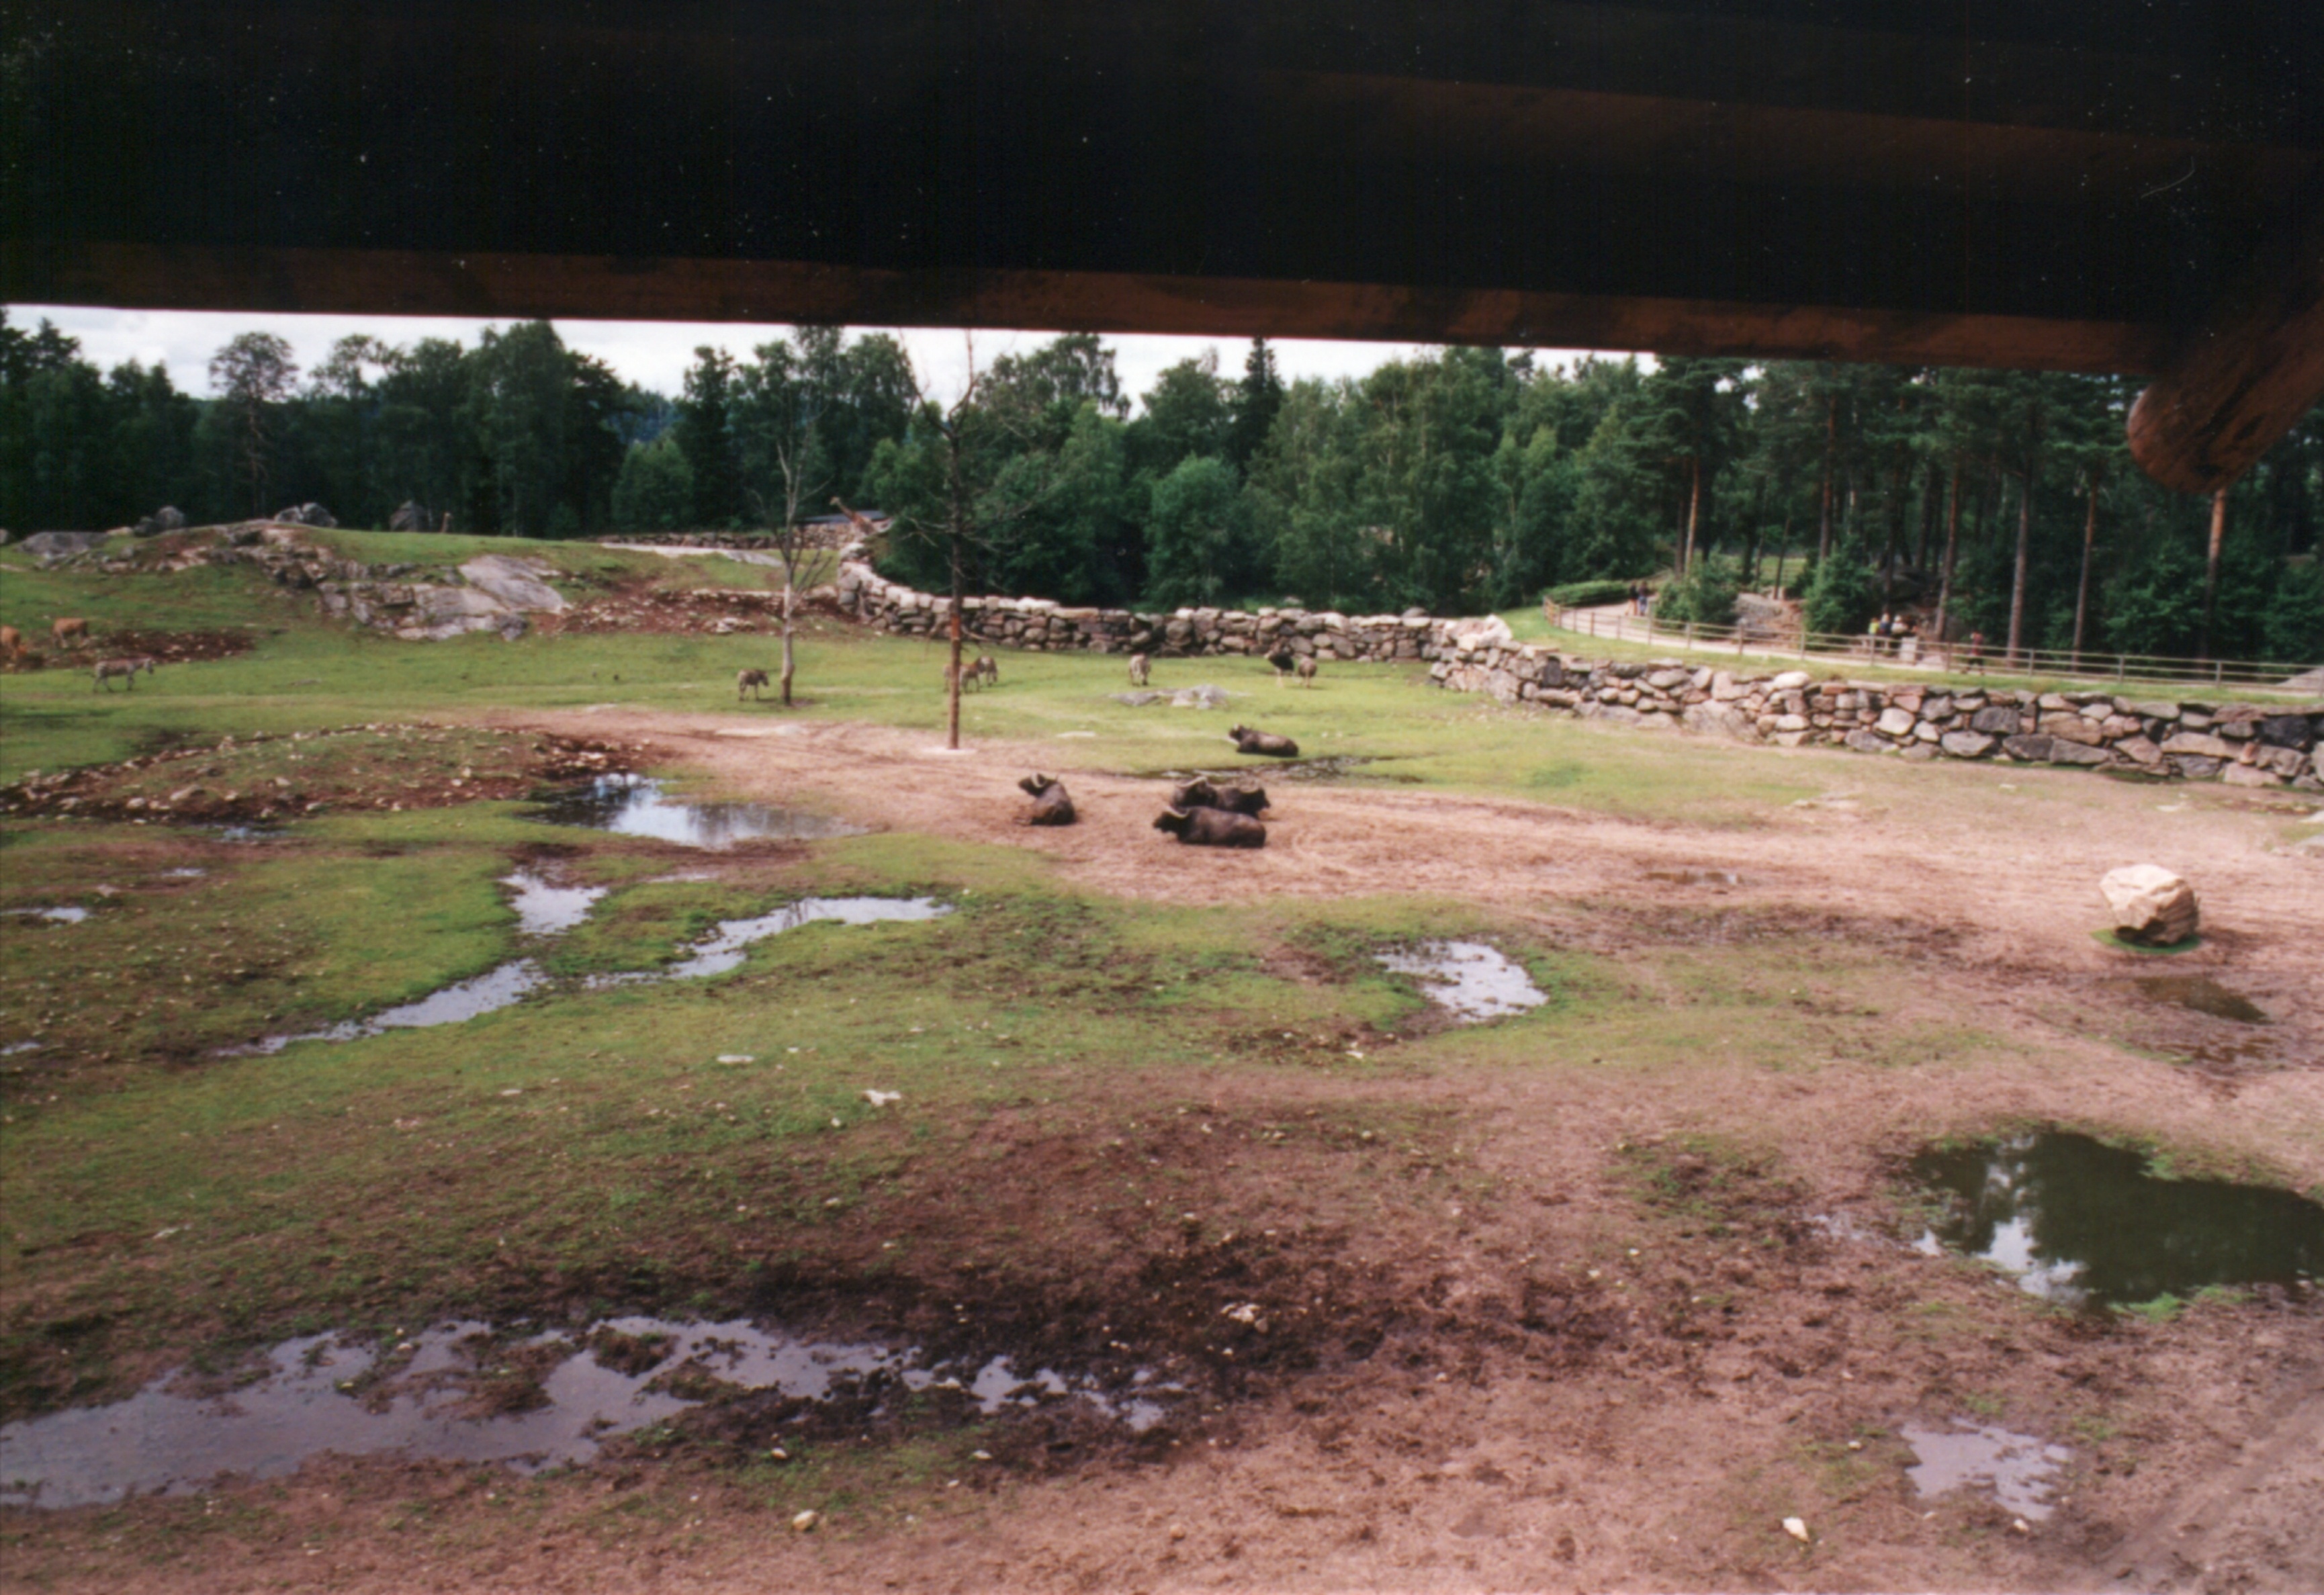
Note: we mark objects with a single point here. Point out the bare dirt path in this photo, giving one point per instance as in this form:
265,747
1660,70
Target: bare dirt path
1903,846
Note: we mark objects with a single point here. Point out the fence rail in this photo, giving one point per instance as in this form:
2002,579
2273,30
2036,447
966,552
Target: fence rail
1915,654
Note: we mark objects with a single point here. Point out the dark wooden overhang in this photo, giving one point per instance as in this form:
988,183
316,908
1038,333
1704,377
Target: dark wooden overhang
2089,185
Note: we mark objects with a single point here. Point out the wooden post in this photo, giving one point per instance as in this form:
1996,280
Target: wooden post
2082,588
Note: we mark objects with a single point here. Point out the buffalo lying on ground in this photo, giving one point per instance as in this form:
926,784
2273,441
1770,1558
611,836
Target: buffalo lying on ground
1247,741
1211,827
1052,806
1199,793
753,682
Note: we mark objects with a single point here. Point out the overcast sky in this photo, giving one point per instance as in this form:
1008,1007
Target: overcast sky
651,354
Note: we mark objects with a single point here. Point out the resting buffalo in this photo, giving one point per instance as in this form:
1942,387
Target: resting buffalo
1199,793
1051,804
1211,827
1247,741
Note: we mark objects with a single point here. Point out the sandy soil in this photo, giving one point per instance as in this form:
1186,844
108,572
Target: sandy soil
1548,1397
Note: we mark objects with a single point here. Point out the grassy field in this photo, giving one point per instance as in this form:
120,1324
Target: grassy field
1117,1113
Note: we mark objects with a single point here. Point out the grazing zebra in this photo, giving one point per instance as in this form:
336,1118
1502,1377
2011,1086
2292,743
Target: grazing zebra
751,681
126,669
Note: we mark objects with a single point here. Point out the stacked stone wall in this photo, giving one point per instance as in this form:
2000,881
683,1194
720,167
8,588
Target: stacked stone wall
2243,745
1039,625
2240,744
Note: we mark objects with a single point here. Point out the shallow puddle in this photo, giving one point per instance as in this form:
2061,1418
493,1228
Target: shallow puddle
2018,1469
2084,1223
725,947
2204,995
63,914
636,805
496,988
546,909
433,1395
1473,980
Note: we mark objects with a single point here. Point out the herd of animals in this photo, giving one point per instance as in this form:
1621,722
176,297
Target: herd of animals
1201,814
71,633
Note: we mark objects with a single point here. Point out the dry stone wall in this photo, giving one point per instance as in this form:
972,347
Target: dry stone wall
2239,743
1043,626
2243,744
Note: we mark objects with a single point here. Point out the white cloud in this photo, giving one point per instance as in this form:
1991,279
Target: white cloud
653,354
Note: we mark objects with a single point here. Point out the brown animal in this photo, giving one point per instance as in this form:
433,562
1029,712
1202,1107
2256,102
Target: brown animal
1211,827
1247,741
970,676
753,682
984,667
1140,669
1052,806
1306,670
1199,793
126,669
1282,659
70,632
11,642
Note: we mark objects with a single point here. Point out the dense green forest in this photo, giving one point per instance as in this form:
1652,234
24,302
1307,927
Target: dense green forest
1456,481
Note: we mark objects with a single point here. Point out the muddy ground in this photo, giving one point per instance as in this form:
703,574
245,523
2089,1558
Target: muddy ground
1600,1345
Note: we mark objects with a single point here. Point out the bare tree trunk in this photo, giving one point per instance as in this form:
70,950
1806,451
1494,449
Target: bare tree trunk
2017,582
1694,514
1782,549
2211,570
1831,441
2082,588
789,585
1952,547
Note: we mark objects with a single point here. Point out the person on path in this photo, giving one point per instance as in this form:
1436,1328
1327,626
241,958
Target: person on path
1976,653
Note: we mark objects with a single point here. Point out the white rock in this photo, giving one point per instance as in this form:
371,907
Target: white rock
2152,906
805,1522
1789,681
1797,1528
881,1099
737,1057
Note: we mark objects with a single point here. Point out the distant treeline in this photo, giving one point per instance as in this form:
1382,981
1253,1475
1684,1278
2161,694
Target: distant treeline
1454,481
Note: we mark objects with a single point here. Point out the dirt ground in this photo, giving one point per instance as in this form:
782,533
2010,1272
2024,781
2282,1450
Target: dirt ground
1549,1391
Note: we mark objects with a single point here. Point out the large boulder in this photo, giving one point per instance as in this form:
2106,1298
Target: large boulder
168,518
411,515
1486,631
2152,907
306,515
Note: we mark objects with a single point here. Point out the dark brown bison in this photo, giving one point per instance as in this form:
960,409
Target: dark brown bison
1052,806
1211,827
1247,741
1282,659
1199,793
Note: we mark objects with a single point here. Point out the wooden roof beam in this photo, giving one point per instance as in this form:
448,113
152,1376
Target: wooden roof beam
2247,376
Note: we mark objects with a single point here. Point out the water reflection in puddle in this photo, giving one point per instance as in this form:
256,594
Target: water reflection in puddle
2081,1222
635,806
2204,995
723,949
1472,980
2017,1468
546,909
727,946
63,914
429,1398
494,990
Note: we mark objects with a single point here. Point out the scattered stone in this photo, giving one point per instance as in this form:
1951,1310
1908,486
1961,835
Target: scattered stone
806,1522
1797,1528
881,1099
2152,907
